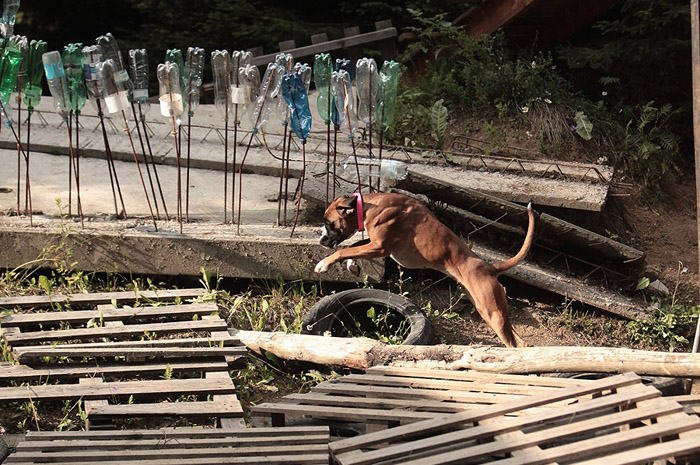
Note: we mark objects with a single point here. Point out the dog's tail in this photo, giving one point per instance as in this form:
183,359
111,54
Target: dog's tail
506,265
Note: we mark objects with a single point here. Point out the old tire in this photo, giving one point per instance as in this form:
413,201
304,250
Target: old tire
336,312
666,385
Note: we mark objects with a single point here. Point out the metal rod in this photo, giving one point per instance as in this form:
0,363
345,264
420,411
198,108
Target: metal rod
301,185
19,154
335,154
114,180
27,185
153,162
286,176
69,125
138,167
187,178
145,160
75,173
226,167
281,189
233,165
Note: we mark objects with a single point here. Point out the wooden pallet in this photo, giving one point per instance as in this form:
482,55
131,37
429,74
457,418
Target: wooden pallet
115,360
302,445
690,403
608,421
391,396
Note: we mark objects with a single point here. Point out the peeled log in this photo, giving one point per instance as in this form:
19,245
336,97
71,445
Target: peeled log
362,353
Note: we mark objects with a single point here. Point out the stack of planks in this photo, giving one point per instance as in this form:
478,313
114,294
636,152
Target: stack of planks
125,362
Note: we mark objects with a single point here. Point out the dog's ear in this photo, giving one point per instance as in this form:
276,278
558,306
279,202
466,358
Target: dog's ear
347,205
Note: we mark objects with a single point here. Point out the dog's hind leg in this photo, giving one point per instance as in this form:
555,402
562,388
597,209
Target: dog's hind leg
492,305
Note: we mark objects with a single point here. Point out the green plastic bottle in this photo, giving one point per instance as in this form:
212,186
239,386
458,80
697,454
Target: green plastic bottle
323,68
73,60
9,67
35,73
388,86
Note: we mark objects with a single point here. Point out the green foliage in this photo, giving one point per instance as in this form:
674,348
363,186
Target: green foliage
584,127
671,322
438,122
648,149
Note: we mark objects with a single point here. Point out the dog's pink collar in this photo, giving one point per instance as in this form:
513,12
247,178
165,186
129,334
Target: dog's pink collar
360,212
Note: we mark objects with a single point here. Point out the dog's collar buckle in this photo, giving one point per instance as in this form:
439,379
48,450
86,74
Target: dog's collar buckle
360,212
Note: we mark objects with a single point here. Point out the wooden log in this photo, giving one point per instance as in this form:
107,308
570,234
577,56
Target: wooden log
362,353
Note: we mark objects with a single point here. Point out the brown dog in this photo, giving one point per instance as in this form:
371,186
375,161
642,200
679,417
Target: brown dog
405,230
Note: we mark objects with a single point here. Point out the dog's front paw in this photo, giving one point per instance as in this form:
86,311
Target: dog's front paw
353,267
321,267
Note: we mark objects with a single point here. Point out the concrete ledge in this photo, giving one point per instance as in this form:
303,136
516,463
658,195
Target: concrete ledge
129,247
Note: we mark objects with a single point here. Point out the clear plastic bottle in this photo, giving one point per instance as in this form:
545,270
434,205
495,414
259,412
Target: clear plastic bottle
194,67
249,78
9,14
116,93
111,51
93,57
367,83
265,103
138,64
56,79
169,85
344,102
304,70
175,56
388,168
239,59
221,70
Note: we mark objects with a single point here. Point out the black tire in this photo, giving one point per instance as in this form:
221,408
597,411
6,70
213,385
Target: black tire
3,450
666,385
333,312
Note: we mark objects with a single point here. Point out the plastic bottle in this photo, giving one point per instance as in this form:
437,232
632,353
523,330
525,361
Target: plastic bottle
175,56
138,64
286,61
269,88
35,72
93,57
73,66
388,168
9,63
293,89
21,81
116,93
345,65
111,51
55,77
194,67
239,59
249,78
367,83
388,87
344,102
169,85
9,14
221,70
304,70
322,80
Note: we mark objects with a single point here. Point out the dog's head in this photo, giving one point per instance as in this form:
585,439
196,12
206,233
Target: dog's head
339,221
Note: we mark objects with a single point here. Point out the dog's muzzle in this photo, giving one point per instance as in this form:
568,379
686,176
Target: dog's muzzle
329,239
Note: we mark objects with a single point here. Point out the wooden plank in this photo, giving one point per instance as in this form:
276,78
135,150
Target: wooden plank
352,414
127,388
225,421
110,314
44,301
440,384
291,459
66,371
337,44
403,393
135,352
127,330
216,338
477,376
164,409
128,454
447,422
163,434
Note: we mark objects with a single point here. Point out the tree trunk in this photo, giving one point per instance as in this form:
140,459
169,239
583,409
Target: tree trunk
362,353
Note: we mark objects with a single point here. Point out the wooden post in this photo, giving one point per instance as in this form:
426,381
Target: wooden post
695,38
